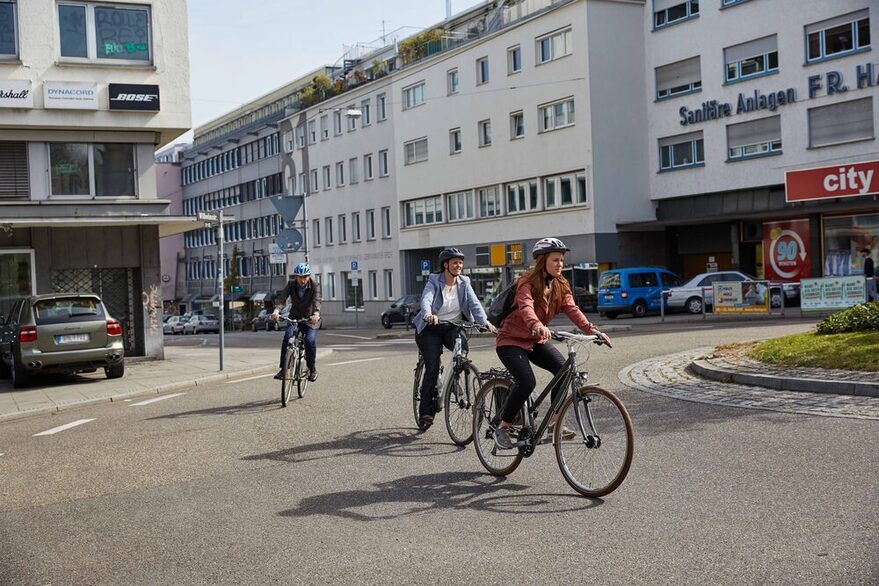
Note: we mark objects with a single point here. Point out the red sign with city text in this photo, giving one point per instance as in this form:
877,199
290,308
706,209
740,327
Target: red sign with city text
847,180
786,250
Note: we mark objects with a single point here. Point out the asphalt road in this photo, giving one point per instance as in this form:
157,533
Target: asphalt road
221,485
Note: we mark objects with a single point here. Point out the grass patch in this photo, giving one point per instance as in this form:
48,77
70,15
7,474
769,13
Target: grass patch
849,351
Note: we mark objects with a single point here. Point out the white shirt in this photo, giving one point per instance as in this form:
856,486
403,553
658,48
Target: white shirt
450,310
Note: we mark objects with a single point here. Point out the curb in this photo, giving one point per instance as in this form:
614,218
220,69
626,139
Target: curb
707,370
158,390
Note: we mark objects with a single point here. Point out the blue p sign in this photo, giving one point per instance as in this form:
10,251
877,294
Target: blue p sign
354,265
425,265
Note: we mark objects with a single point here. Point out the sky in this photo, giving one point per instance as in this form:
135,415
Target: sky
242,49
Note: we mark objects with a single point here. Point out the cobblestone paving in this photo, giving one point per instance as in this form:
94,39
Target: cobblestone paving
736,360
668,376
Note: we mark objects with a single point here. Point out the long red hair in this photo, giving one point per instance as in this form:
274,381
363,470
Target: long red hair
536,277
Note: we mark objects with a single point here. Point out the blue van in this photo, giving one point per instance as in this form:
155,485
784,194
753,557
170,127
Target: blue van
635,290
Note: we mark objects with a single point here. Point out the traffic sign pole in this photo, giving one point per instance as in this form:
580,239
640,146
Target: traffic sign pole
220,266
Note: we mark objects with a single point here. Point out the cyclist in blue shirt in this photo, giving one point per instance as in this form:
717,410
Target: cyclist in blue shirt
304,296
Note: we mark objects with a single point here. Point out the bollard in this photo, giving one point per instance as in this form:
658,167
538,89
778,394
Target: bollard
704,305
662,299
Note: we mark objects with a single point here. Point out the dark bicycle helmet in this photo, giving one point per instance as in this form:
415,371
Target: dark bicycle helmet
547,245
449,254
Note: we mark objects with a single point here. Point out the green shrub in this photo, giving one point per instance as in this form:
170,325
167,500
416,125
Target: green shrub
860,318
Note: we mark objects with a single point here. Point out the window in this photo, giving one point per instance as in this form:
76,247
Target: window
370,224
367,167
415,151
461,206
96,170
454,141
354,170
482,71
666,12
313,187
842,122
389,283
485,133
365,112
514,60
121,34
564,190
303,188
337,123
423,211
381,106
300,137
751,59
328,230
489,202
684,150
483,256
324,127
725,3
340,174
413,96
331,285
353,291
373,284
14,177
557,115
312,132
355,226
836,37
554,46
8,30
327,177
453,82
517,125
754,139
343,229
522,197
679,78
383,169
386,222
352,120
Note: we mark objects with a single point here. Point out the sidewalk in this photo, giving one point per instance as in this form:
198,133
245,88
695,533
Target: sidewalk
183,367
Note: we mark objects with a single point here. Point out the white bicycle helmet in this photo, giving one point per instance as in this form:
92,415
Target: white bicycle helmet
547,245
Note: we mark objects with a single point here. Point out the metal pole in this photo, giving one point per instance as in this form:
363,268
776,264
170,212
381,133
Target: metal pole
305,223
220,266
356,307
662,305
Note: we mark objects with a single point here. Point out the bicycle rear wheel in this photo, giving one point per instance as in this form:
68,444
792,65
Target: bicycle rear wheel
301,375
486,413
458,401
597,463
416,387
287,381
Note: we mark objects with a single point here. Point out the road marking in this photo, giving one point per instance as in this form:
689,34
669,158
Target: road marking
162,398
55,430
241,380
349,336
360,360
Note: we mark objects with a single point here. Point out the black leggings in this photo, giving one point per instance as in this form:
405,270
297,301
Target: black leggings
518,362
430,342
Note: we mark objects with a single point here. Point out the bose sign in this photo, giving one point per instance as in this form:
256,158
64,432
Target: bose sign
128,96
850,180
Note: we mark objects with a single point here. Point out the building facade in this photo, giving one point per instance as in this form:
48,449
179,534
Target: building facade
88,92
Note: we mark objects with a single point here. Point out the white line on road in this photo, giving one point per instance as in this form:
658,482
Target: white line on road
241,380
162,398
348,336
55,430
360,360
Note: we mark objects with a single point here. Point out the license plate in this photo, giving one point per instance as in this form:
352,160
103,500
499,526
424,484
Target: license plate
72,339
608,297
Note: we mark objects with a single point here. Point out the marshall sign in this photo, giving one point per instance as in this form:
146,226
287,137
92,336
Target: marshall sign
128,96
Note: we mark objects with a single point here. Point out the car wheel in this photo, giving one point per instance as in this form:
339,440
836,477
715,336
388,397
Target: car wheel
639,309
386,322
20,377
611,315
694,305
115,371
253,327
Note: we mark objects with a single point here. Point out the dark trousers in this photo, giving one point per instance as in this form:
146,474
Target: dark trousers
518,362
310,344
430,342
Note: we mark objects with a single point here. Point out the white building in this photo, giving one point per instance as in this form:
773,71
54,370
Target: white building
88,92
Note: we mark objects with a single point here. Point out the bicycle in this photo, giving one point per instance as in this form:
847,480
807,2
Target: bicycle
593,434
456,388
294,370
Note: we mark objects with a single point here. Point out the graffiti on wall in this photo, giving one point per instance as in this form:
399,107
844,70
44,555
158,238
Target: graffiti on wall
151,304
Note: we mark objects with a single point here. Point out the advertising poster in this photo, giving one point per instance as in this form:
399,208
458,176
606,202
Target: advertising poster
741,297
832,293
786,254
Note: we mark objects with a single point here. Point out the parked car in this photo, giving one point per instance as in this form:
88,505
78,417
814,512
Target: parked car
173,325
263,321
400,310
198,324
59,333
689,296
635,290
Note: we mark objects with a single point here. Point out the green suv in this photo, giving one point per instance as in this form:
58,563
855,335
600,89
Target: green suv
59,333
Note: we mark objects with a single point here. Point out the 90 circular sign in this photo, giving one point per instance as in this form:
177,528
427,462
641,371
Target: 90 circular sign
787,252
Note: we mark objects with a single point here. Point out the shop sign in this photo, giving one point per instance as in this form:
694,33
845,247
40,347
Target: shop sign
786,250
70,96
16,93
832,293
741,297
277,255
850,180
131,96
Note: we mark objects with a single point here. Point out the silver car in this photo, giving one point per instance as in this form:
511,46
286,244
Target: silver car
699,290
198,324
173,325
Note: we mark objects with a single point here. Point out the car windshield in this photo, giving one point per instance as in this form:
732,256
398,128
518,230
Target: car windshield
67,309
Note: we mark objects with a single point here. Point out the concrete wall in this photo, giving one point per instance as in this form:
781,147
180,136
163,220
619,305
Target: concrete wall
173,271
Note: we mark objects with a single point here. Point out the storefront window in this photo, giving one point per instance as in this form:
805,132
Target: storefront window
16,278
114,170
70,169
102,170
844,238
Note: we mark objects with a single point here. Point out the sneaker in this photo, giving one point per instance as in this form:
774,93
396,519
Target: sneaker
280,375
567,434
424,422
312,374
502,438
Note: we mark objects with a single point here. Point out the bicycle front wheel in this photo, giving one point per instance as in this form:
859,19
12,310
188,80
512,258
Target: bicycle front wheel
301,375
416,388
287,381
458,402
594,441
486,414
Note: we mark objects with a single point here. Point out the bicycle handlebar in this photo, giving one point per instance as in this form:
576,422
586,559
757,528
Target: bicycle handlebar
463,326
561,336
303,320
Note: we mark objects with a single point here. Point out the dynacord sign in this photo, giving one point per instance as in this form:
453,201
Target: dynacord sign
70,96
129,96
16,93
850,180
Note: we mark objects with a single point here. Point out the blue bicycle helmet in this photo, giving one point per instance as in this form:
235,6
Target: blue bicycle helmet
303,269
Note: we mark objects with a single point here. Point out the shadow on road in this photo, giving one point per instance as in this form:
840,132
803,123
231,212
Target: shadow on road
439,492
399,443
251,408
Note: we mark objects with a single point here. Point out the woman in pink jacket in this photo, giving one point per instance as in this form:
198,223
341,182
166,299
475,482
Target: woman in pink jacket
541,294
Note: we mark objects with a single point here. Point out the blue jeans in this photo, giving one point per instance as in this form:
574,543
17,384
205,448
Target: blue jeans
310,344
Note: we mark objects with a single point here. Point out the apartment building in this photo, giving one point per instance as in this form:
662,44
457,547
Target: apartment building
88,92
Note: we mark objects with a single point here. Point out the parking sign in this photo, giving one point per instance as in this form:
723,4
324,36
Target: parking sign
425,265
354,265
